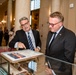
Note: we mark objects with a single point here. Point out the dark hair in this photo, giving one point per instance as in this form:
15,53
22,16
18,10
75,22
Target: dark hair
23,18
58,15
12,28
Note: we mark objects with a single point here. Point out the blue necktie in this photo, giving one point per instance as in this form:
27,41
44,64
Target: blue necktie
53,37
30,42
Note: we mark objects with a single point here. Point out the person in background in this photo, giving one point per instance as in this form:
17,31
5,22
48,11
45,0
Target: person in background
1,36
36,27
11,34
21,40
61,46
6,35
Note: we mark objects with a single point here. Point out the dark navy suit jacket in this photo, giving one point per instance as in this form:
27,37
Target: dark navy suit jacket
22,37
63,47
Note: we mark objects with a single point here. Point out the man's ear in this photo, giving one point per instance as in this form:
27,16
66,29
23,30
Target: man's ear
61,23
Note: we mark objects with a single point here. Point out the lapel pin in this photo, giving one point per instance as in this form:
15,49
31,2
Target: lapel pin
60,34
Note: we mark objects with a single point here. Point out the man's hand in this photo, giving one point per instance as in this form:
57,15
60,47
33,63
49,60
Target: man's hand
37,49
21,45
48,71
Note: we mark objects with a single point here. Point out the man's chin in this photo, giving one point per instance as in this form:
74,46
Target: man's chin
26,30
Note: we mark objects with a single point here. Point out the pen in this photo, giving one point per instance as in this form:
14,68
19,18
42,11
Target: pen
49,64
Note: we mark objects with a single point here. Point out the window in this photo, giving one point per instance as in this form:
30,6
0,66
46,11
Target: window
35,4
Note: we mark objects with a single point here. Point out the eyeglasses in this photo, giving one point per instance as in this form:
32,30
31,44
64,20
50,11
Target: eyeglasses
52,23
25,24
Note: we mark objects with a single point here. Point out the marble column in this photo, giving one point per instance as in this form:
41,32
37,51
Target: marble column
22,8
43,18
55,5
9,14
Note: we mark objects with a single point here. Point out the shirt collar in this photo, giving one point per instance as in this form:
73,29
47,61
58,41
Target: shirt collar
59,29
30,31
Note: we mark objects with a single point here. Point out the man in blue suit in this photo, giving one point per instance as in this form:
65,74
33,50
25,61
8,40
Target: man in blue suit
20,39
63,45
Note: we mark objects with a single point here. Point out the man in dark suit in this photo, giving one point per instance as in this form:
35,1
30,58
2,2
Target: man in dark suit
20,39
1,35
62,47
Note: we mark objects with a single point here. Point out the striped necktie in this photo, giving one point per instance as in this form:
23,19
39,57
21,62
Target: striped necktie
30,42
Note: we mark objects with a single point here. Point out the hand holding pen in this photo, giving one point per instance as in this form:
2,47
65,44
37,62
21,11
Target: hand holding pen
48,69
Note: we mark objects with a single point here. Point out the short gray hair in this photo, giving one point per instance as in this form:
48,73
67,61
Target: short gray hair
23,18
58,15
